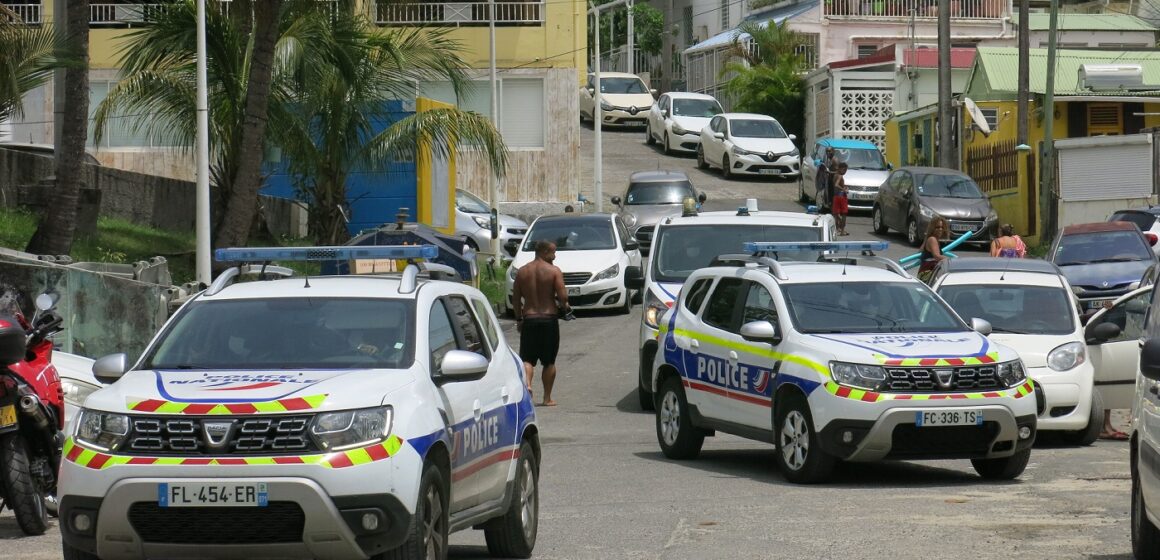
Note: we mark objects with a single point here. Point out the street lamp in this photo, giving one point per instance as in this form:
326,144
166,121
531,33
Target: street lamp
202,223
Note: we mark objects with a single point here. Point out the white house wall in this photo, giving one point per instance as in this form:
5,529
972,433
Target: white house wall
925,86
1097,38
840,41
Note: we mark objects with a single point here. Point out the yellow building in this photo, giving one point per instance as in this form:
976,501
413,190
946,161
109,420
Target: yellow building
540,53
1007,175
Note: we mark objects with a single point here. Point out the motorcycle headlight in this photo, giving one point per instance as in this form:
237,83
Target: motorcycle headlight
607,273
654,308
75,392
862,376
512,270
102,431
1067,356
606,106
1012,373
741,152
335,431
926,211
679,130
481,221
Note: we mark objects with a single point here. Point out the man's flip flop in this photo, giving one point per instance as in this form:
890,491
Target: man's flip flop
1116,435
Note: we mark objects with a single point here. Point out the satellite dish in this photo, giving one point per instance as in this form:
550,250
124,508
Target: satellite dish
979,120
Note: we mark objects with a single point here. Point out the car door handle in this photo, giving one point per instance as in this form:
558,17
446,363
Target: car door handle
732,357
505,394
477,408
694,345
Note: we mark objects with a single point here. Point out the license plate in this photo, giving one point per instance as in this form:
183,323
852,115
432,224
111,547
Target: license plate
925,418
962,227
573,291
862,196
769,172
212,494
1097,303
7,416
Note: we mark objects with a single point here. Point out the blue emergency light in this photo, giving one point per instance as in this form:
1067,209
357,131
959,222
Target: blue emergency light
343,253
792,246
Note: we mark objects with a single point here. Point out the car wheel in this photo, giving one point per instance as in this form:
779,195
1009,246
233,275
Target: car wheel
427,535
668,149
678,437
1145,535
1006,468
626,307
514,534
725,172
912,235
799,455
701,164
1091,433
648,137
644,393
877,222
802,196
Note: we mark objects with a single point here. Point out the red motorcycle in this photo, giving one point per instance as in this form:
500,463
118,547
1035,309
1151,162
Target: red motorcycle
31,416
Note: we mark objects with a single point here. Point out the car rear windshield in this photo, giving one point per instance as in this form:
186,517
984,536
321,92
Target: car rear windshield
288,333
756,128
696,108
659,193
861,158
1101,247
948,186
1014,309
1143,220
622,85
681,250
568,235
868,307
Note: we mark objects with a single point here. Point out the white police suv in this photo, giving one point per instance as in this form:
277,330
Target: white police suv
326,417
836,359
684,243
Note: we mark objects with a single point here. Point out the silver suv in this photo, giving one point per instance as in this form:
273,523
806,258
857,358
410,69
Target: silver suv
651,196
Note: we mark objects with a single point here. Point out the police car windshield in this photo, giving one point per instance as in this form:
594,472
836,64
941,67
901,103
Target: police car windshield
868,307
568,235
288,333
1014,309
681,250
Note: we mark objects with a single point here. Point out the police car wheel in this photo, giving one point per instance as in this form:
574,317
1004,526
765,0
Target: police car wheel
427,536
678,437
1145,535
514,534
799,455
1006,468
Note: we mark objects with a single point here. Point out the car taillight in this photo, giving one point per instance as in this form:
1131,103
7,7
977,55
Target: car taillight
1151,237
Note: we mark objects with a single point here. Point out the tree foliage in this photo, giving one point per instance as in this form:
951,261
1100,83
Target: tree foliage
648,28
28,62
767,73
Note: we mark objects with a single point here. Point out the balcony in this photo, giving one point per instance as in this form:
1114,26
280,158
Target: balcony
27,13
458,14
923,9
124,15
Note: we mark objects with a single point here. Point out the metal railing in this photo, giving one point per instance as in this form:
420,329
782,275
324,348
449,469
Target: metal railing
925,9
123,14
26,13
457,14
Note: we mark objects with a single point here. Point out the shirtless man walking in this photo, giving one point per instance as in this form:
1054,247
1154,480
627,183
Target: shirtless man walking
538,297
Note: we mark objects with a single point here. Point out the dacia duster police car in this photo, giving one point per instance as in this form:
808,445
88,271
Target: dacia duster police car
836,360
683,243
330,417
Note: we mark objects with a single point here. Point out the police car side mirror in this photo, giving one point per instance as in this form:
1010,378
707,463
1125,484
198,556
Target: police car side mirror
760,331
461,365
980,326
108,369
633,278
1101,332
1150,359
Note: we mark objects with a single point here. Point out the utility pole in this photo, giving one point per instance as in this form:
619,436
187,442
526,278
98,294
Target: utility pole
946,149
631,67
1021,110
667,49
1047,168
202,205
493,183
597,112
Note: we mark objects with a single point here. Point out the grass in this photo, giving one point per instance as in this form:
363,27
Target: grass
493,286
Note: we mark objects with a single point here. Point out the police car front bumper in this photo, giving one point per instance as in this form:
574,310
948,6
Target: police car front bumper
896,435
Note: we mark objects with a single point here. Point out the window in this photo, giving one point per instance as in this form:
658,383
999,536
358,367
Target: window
725,14
474,95
992,117
865,51
621,231
1129,316
1018,309
120,131
759,305
1124,46
687,24
488,321
1104,119
470,337
522,112
440,335
697,294
720,310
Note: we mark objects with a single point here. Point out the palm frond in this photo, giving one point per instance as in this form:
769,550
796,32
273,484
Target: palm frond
441,130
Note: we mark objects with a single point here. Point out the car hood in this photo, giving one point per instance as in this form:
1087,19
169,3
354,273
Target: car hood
691,124
641,101
865,177
1096,274
762,145
200,392
1033,348
575,261
667,291
504,220
647,214
891,348
958,208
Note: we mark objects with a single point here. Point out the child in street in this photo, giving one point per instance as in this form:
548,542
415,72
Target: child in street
841,204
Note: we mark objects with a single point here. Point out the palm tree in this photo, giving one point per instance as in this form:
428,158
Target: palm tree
28,63
331,131
767,73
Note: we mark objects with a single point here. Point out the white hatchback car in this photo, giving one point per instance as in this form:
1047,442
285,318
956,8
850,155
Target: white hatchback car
594,251
473,223
1031,308
677,118
748,144
624,99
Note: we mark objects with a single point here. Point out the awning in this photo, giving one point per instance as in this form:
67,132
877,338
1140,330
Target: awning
776,16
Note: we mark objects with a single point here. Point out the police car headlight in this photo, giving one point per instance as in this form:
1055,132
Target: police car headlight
102,431
1012,373
607,273
654,308
858,375
1067,356
75,392
335,431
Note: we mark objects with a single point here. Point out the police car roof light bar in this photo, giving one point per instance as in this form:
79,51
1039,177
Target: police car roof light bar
797,246
304,254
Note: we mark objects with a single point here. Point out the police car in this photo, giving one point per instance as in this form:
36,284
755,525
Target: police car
848,358
323,417
683,243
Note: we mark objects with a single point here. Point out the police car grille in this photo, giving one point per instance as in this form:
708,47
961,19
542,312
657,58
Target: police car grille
947,442
928,380
576,278
278,522
269,435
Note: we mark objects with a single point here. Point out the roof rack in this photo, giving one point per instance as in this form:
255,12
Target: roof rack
887,263
774,267
264,272
267,271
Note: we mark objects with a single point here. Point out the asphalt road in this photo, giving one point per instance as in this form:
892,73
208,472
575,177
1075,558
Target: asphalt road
607,492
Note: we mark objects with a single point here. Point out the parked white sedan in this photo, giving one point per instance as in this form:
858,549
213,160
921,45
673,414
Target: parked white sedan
677,118
624,99
594,251
750,144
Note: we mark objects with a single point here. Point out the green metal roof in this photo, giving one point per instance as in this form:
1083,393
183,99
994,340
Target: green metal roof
996,71
1090,22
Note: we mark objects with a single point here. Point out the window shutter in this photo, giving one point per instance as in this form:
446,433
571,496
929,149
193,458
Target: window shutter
522,112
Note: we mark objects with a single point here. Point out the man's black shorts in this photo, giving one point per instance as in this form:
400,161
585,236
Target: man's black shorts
540,341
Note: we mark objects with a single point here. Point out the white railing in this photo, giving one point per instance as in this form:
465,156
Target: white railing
123,14
617,61
863,9
458,13
26,13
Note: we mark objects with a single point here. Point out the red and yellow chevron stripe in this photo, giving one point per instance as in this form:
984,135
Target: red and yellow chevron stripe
169,407
988,358
96,460
870,396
